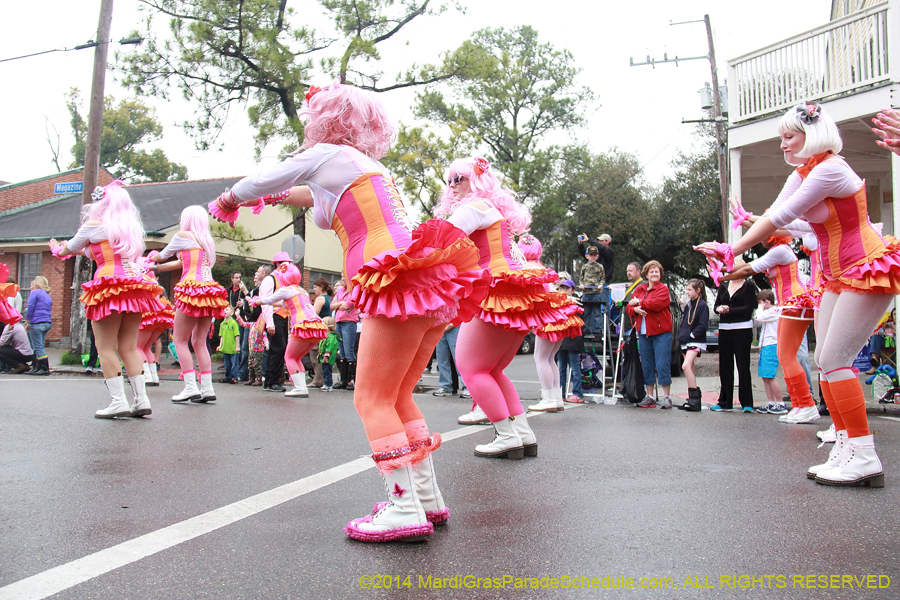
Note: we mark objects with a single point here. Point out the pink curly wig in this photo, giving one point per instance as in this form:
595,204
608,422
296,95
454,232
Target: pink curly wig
290,276
195,219
531,247
121,220
344,114
484,185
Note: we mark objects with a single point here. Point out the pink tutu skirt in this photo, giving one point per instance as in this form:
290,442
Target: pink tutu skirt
160,320
571,327
436,276
309,330
200,298
518,300
8,314
878,275
105,295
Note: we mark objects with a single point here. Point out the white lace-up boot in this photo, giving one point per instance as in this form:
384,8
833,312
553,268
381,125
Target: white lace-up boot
834,457
547,403
300,390
151,377
119,407
402,518
859,465
190,391
526,435
506,443
141,405
827,436
207,393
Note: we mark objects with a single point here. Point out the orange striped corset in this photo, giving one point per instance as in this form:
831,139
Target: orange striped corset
786,282
495,248
195,265
110,264
846,237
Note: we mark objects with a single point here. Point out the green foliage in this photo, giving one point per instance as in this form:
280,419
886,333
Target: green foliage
70,359
233,264
125,127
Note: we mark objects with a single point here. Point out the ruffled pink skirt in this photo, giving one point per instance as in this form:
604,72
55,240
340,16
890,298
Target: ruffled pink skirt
8,314
878,275
571,327
160,320
105,295
436,276
309,330
519,300
200,298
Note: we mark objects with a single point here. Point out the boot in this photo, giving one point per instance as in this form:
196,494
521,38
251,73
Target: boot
207,393
190,391
251,379
141,405
858,465
145,369
151,377
401,519
41,367
526,435
351,375
343,370
119,407
834,457
693,404
506,443
300,390
547,403
429,494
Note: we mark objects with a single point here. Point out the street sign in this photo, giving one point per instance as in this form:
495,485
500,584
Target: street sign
74,187
295,247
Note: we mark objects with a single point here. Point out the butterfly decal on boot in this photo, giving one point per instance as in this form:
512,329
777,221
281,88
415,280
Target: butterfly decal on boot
398,491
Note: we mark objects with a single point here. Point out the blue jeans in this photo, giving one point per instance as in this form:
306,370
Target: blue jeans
327,374
446,348
567,359
656,358
37,333
231,365
244,355
593,311
347,331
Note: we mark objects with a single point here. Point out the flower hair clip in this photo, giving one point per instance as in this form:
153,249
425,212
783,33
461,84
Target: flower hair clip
312,91
810,112
481,166
527,239
97,194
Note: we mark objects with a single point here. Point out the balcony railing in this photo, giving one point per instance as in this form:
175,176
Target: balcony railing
847,55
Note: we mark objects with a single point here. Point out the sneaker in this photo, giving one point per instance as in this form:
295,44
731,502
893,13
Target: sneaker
827,436
747,410
784,418
575,399
665,403
717,408
89,371
763,410
807,414
476,417
778,409
442,392
465,395
647,402
327,388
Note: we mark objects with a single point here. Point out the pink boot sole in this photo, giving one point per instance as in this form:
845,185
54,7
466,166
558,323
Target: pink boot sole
407,533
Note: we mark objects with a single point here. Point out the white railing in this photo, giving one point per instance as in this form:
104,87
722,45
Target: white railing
847,55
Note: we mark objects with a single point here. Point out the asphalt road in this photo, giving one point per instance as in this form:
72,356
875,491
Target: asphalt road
247,497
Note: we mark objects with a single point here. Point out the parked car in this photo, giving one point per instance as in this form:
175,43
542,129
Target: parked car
527,346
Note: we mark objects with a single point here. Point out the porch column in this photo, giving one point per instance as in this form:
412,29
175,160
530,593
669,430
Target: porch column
735,192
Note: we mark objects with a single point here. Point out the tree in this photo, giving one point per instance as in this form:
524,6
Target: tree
125,127
516,93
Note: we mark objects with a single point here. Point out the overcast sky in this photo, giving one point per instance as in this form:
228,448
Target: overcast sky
637,109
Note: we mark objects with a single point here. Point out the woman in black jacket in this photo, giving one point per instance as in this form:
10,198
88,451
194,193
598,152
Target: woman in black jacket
692,337
735,303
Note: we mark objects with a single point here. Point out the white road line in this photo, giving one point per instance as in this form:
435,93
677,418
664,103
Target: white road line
80,570
889,418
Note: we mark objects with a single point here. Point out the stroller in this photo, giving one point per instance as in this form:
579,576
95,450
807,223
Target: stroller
591,371
885,385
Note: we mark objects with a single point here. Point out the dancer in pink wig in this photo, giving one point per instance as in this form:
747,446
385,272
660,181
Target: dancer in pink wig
112,235
549,338
476,202
153,324
305,327
407,284
198,300
861,270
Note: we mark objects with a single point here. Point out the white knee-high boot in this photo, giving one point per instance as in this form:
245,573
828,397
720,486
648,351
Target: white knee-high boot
119,407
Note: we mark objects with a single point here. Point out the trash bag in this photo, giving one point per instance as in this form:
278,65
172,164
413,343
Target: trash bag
632,388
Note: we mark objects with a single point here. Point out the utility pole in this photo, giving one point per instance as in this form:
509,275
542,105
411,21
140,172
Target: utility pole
719,118
83,265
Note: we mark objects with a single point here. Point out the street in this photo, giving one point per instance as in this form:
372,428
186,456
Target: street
247,498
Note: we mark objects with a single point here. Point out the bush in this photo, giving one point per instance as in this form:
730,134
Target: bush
69,359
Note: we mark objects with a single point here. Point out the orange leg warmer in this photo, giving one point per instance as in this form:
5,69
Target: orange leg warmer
851,404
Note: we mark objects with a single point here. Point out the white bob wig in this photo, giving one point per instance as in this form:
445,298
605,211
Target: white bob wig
821,132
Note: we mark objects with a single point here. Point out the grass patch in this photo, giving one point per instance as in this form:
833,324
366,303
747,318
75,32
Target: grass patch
69,359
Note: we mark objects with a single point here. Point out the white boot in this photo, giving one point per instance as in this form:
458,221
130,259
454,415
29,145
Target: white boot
859,465
207,393
119,407
402,518
526,435
476,417
190,391
834,457
300,390
547,403
148,378
429,494
141,406
827,436
506,442
151,377
557,397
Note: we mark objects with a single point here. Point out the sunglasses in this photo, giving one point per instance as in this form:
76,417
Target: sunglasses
456,179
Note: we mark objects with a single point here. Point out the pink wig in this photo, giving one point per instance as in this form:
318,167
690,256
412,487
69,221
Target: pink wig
531,247
484,185
121,220
344,114
195,219
291,275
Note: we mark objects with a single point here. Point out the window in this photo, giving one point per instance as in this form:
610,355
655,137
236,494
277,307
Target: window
29,268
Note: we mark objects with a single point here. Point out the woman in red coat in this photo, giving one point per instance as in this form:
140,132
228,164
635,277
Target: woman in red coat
649,311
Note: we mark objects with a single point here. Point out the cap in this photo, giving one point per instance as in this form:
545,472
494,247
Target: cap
281,257
591,250
567,283
605,238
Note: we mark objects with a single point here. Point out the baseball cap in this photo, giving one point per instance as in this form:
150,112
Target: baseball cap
567,283
591,250
605,238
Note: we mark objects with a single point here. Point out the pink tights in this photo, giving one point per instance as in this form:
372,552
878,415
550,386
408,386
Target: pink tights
483,350
145,345
296,350
194,329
